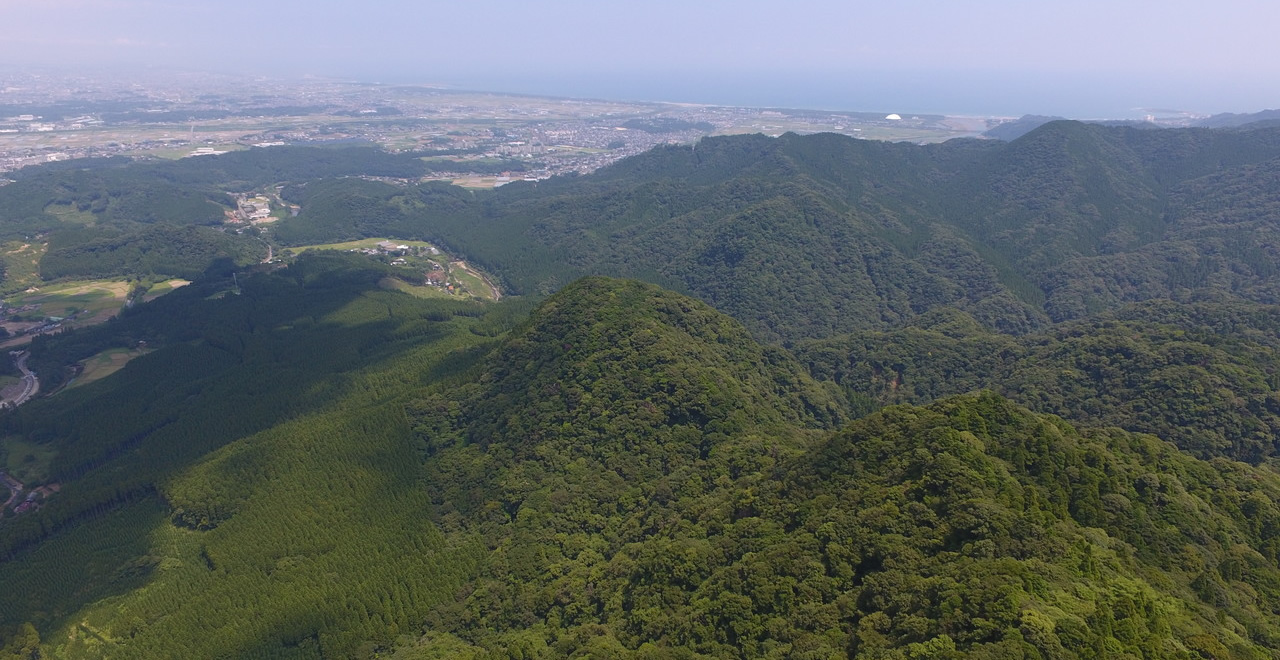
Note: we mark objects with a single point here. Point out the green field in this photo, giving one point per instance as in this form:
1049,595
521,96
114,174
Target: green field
80,303
21,265
472,284
357,245
413,290
104,364
69,213
27,461
92,301
161,288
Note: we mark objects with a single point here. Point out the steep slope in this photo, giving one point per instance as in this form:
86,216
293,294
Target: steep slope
250,489
625,473
971,528
975,523
303,526
810,236
635,391
758,227
1200,375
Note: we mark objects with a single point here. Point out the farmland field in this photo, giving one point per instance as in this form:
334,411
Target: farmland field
104,364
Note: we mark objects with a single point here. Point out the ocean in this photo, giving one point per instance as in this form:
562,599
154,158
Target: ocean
1103,95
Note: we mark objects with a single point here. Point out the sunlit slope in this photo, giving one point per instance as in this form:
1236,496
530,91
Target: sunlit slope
969,528
254,485
310,466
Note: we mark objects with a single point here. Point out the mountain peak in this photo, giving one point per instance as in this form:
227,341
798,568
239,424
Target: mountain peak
606,356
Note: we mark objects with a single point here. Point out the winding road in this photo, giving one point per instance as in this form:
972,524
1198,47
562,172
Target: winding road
30,384
15,488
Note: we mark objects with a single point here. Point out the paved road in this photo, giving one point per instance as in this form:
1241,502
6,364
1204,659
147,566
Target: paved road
30,384
15,488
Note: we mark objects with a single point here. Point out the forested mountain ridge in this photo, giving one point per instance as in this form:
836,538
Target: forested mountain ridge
1065,221
767,546
623,473
968,400
1205,376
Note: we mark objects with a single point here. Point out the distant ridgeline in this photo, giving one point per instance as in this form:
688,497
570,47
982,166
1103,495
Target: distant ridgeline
798,237
802,237
970,400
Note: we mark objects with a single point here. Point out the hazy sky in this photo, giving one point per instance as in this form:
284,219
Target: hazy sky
1028,55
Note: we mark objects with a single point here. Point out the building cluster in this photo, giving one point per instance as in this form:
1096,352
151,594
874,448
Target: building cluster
180,115
20,500
255,209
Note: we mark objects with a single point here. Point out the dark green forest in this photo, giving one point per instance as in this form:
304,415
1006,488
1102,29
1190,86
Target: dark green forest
811,236
804,397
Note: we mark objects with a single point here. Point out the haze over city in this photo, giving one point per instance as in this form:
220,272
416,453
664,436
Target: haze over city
1083,59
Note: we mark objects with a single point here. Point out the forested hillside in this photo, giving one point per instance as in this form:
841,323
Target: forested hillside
1205,376
811,236
799,236
310,466
118,217
858,399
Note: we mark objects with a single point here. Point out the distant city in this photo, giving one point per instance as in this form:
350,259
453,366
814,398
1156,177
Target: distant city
473,138
47,118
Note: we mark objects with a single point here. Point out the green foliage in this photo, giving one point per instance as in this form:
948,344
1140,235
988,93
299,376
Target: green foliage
969,528
114,217
160,251
315,467
308,465
798,237
803,237
1203,376
302,374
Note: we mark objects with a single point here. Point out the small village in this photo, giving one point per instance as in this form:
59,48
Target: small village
21,499
27,319
256,208
453,277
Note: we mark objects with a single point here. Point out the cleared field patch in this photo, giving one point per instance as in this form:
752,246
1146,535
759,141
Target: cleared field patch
472,283
79,288
162,288
420,291
104,364
362,244
476,182
21,264
70,213
27,461
90,302
174,153
68,305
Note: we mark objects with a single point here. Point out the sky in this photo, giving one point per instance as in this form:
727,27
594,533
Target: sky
1081,58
